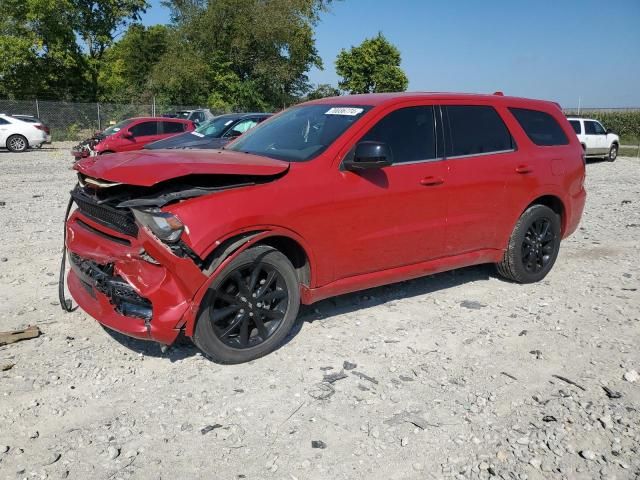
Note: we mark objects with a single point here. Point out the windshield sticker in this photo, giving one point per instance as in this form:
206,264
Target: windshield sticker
228,123
350,111
197,134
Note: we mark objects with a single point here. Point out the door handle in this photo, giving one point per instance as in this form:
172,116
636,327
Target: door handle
431,181
523,169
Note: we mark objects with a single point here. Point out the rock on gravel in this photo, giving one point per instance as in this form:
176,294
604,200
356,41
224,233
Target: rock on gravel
631,376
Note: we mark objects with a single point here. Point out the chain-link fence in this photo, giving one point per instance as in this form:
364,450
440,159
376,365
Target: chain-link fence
76,121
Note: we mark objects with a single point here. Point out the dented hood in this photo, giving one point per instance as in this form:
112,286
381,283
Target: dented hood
148,167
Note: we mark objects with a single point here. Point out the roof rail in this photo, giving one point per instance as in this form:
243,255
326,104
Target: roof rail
499,93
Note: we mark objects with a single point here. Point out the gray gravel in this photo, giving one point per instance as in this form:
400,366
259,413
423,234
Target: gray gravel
440,381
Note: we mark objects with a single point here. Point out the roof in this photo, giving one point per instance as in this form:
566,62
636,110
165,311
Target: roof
164,119
376,99
575,117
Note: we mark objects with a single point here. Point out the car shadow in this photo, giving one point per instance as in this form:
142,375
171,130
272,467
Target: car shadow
326,309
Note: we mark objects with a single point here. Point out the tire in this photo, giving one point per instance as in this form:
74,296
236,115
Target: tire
233,325
533,246
106,152
17,143
613,153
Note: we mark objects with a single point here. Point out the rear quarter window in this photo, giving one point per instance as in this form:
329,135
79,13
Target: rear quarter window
173,127
541,128
575,124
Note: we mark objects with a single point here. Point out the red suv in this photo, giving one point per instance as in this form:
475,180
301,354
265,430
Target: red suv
131,134
325,198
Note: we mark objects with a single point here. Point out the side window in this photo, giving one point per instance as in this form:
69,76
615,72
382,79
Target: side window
145,128
599,128
172,127
474,129
541,128
576,126
3,122
241,127
408,132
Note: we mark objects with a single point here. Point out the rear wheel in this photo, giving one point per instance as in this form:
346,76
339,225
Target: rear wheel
533,246
17,143
249,309
613,153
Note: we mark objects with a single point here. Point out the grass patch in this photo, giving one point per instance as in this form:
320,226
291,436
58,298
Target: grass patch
628,152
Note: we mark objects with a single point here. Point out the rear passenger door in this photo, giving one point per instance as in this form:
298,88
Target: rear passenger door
596,138
170,129
480,153
396,215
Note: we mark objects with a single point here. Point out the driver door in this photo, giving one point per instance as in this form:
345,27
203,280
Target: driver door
396,215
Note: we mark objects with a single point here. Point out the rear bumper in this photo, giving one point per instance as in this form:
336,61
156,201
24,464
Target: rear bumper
575,214
113,279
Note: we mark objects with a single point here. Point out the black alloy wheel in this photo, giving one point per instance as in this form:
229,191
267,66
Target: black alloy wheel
538,245
533,247
249,308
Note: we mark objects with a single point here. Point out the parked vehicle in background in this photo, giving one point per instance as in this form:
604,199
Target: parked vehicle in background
197,116
214,133
131,134
595,139
18,135
37,121
328,197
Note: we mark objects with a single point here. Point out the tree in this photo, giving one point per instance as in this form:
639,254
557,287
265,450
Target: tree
258,51
323,90
129,63
371,67
55,49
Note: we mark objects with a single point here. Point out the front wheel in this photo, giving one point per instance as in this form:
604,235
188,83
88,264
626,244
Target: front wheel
17,143
249,308
613,153
533,246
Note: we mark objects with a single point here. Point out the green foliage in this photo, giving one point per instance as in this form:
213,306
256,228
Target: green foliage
323,90
55,48
371,67
625,124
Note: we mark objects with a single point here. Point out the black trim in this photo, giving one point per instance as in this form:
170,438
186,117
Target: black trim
102,234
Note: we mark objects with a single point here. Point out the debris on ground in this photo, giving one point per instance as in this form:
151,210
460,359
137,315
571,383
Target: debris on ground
349,366
318,444
631,376
570,382
472,304
611,393
6,366
208,428
334,377
18,335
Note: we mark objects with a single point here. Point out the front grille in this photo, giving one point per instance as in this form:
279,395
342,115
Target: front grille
121,295
120,220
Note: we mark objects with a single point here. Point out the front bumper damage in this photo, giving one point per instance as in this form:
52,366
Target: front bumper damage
134,285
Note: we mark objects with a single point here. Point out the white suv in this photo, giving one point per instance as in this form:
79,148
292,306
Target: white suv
18,135
595,139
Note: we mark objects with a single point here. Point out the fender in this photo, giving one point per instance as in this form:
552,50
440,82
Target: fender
255,234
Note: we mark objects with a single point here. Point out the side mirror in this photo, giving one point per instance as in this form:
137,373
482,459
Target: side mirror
368,155
127,135
609,131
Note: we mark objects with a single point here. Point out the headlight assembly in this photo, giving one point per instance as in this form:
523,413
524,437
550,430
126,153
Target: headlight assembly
166,226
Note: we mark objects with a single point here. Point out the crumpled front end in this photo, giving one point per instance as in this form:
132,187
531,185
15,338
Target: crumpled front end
123,276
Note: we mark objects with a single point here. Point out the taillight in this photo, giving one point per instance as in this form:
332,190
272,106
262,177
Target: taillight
44,128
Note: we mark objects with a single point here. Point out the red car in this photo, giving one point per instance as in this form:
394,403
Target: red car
325,198
131,134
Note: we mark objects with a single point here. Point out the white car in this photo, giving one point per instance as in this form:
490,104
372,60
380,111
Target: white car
595,139
18,135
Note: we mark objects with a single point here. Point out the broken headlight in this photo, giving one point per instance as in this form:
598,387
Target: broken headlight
166,226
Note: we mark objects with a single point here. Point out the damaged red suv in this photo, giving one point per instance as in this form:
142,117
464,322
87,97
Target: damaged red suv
328,197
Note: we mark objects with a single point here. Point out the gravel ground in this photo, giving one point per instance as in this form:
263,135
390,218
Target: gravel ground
449,376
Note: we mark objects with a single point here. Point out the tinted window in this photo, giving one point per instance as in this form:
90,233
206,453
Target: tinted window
172,127
593,128
408,132
541,128
143,129
576,126
3,122
299,133
475,129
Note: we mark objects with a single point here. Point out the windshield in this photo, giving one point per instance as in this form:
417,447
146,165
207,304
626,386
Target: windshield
216,127
300,133
116,128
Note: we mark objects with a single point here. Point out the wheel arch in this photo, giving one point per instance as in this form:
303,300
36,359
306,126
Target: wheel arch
6,142
555,203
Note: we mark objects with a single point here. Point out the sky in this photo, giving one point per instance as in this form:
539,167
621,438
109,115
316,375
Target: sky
568,51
